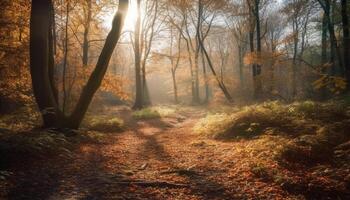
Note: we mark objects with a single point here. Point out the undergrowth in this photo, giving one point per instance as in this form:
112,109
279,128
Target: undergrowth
20,148
104,123
309,130
155,112
271,117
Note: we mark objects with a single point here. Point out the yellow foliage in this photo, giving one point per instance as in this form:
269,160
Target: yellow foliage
335,84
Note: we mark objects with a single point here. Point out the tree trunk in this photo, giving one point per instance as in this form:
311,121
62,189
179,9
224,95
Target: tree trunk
40,28
173,75
206,81
324,40
196,61
39,62
295,55
138,100
240,66
335,51
100,70
65,60
346,40
86,34
52,51
257,78
191,69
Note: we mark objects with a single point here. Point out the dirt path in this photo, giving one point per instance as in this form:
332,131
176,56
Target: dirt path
154,159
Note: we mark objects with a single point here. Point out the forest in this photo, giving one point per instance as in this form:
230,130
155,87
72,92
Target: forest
175,99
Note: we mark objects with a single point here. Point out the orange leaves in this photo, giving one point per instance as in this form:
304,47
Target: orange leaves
261,58
181,4
114,84
335,84
111,83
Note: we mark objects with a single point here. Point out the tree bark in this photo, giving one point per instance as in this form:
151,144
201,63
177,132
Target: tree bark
173,75
346,40
39,62
65,60
86,34
295,55
206,81
257,78
324,40
335,50
100,70
138,79
40,59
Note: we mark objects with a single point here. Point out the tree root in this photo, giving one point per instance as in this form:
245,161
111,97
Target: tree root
185,172
161,184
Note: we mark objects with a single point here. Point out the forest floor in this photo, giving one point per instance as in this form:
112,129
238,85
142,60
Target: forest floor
163,158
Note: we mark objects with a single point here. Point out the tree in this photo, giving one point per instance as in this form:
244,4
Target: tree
139,91
298,12
149,30
40,45
335,50
200,40
346,39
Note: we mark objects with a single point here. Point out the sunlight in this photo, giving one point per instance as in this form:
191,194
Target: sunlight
130,18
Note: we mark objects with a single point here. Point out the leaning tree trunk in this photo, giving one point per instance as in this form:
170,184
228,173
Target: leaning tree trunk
97,75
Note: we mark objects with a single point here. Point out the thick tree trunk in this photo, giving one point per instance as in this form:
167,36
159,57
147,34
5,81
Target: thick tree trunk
146,100
196,61
335,50
65,60
40,59
138,78
324,40
257,77
346,40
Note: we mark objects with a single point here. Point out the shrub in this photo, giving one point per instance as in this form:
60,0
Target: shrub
147,113
249,122
326,112
295,119
104,124
214,125
308,150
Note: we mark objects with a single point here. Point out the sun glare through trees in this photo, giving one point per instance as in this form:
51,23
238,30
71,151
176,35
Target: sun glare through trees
175,99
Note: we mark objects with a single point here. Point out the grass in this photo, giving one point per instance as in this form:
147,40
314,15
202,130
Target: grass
104,123
302,132
155,112
147,113
20,120
271,117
